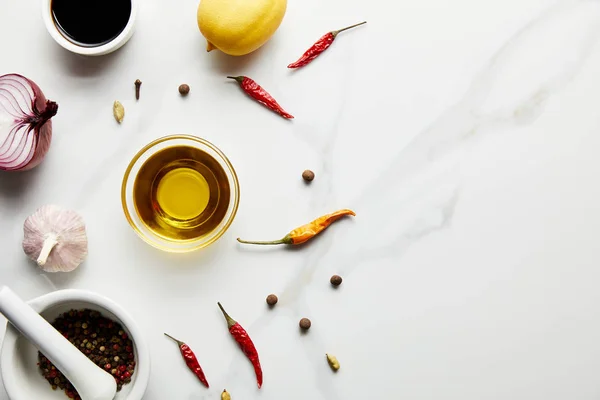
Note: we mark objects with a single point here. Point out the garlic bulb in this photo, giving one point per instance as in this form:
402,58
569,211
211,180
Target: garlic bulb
55,239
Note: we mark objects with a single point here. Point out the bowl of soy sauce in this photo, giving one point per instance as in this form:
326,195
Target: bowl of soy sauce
90,27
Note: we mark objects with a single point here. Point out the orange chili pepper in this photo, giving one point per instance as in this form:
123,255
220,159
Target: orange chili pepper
308,231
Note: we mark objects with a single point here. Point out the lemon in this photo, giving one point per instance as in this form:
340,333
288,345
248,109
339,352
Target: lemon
239,27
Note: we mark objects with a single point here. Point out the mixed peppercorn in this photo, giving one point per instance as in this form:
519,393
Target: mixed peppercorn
102,340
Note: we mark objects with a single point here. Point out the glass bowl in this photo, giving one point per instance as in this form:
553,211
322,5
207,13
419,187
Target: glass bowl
132,215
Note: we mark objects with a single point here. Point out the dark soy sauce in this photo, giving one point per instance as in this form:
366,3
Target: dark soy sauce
91,23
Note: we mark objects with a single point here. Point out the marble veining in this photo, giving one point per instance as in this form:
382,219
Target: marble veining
464,136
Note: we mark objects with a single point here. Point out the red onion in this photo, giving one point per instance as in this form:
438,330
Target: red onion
25,126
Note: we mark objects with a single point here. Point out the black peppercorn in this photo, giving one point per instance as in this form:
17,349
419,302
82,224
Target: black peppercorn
272,300
305,323
184,89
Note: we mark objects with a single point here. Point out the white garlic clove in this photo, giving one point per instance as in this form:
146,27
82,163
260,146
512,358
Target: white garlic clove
55,238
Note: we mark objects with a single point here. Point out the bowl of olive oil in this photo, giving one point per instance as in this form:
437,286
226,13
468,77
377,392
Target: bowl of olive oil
180,193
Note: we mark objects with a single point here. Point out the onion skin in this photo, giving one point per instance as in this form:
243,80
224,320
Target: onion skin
45,131
41,122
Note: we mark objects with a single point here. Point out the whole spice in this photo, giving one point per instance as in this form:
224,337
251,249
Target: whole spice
184,89
101,339
241,337
190,360
336,280
272,300
25,125
308,175
320,46
259,94
305,324
333,362
55,239
225,395
138,84
118,111
308,231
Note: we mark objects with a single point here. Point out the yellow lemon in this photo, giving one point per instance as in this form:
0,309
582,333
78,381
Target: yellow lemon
239,27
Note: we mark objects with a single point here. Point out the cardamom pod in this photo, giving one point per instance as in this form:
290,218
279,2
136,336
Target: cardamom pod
118,111
333,362
225,395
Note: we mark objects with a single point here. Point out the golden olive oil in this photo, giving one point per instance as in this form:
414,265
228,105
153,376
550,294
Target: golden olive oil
181,193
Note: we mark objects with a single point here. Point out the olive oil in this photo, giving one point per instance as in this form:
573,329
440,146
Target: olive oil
181,193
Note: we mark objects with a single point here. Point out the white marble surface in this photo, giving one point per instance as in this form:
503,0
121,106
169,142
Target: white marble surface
465,134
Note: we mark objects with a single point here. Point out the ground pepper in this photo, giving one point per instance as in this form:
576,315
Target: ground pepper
241,337
101,339
308,231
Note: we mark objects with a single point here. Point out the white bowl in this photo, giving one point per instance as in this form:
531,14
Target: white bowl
109,47
18,361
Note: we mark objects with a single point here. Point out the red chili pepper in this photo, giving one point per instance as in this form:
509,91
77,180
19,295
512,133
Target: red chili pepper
241,337
190,360
259,94
320,46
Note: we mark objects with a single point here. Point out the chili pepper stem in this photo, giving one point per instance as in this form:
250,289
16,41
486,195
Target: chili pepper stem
237,78
268,243
230,321
179,342
335,33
